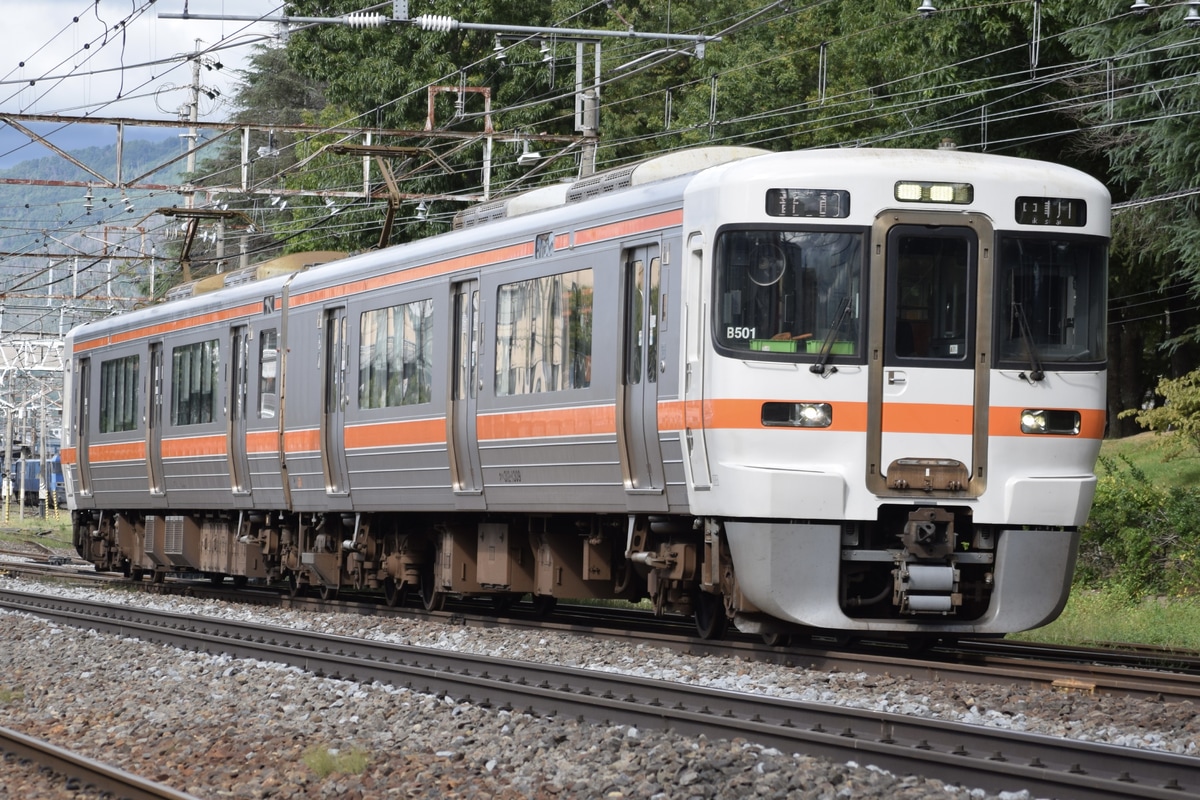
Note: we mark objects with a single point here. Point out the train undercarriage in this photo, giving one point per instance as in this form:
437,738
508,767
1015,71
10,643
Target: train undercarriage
919,565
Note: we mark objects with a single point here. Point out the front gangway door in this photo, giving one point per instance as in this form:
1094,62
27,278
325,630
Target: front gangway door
931,318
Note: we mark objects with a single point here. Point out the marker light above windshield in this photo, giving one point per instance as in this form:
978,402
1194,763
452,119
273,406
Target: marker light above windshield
934,192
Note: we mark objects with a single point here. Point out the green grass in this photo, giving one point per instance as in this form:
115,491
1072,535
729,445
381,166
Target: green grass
326,761
1148,451
1102,618
15,529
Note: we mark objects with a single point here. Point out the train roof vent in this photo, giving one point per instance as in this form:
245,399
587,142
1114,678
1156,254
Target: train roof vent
480,214
524,203
660,168
180,292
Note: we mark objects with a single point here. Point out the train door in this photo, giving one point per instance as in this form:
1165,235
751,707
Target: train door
154,420
932,319
239,379
465,468
637,404
334,399
696,333
83,404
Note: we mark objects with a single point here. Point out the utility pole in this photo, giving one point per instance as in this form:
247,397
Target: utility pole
189,198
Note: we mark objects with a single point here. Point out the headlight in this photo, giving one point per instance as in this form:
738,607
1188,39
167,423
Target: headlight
1062,423
797,415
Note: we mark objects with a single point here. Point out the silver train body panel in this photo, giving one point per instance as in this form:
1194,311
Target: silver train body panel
865,380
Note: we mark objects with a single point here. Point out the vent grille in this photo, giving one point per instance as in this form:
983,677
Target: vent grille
604,183
481,214
173,536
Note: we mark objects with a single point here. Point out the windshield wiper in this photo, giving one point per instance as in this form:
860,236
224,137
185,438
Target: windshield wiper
1035,360
827,345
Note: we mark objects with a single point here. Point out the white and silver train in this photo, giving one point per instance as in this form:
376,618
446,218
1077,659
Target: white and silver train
858,390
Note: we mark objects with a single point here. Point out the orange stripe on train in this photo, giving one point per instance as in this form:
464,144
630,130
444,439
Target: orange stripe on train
399,276
396,434
193,446
120,451
168,327
580,421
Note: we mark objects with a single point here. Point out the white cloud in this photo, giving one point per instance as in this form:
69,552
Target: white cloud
79,58
82,61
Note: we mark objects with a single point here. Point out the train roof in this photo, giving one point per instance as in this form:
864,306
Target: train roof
660,178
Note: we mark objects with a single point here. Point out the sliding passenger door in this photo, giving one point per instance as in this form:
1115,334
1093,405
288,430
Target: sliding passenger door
466,473
154,416
637,403
83,435
334,399
239,379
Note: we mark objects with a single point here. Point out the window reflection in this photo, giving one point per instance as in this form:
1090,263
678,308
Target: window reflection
1051,295
396,356
783,291
544,334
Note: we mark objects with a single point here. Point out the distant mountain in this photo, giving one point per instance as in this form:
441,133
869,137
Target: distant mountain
56,220
28,210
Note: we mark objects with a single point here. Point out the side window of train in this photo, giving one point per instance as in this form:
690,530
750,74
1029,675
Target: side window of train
268,373
194,378
789,291
544,334
395,361
119,392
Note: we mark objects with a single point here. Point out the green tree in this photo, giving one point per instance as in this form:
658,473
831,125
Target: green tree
1136,80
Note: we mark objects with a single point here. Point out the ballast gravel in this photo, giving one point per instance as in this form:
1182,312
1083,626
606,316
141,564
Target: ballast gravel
219,727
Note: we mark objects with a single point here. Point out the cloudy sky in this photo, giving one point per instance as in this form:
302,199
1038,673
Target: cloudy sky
76,58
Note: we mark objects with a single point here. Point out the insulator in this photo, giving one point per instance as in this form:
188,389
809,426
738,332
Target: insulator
362,19
436,22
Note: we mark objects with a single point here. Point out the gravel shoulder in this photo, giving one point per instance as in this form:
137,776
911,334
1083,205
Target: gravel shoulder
220,727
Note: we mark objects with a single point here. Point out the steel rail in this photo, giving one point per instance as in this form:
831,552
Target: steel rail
976,756
85,771
1159,675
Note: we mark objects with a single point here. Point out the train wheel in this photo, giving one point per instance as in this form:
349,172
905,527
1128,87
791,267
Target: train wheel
394,594
710,615
431,597
544,604
775,639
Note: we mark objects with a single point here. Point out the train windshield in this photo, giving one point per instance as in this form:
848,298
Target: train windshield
1051,298
782,292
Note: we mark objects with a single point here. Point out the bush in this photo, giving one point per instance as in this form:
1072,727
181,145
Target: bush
1140,539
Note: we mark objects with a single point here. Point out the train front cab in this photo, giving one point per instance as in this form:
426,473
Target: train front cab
950,499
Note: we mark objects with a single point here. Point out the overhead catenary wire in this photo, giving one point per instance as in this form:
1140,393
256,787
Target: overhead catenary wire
768,114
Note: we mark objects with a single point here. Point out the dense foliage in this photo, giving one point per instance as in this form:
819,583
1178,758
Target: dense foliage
1094,85
1142,537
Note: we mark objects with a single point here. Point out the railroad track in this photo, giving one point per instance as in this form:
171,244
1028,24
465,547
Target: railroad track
991,759
1133,671
80,773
